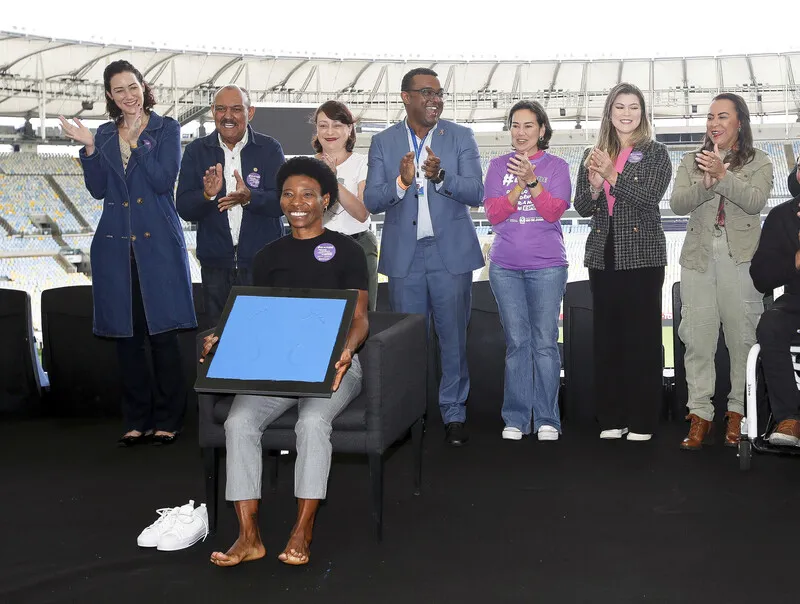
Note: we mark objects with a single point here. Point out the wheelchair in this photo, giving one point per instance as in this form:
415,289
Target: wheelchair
758,423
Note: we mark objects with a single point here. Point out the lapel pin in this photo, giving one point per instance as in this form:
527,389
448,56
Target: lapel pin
441,132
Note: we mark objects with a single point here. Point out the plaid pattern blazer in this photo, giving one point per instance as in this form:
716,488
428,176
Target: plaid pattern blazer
639,240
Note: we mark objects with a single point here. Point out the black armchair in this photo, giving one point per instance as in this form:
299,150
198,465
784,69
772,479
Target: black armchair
391,402
20,387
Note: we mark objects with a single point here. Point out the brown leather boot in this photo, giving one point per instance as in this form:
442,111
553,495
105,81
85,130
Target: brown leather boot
700,432
733,431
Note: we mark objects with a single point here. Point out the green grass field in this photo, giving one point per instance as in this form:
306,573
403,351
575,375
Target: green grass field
666,338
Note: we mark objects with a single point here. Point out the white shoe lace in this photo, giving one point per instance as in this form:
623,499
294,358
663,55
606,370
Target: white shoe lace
185,520
166,515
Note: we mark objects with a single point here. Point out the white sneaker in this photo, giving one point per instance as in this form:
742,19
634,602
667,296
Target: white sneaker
149,537
187,529
547,433
613,433
784,440
510,433
639,437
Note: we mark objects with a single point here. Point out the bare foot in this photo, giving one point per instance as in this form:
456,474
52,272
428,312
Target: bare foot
296,551
243,550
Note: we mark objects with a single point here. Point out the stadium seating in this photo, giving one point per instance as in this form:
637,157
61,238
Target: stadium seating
780,170
32,163
74,188
23,196
30,245
79,242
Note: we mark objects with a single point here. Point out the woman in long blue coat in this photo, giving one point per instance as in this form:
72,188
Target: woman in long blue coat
140,272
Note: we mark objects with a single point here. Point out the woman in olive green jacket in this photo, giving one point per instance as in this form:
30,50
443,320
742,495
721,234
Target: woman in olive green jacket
723,187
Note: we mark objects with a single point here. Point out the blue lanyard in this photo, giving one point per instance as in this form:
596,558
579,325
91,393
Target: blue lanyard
417,149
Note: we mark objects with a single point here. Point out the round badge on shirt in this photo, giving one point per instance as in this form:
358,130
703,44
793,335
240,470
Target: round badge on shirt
253,179
324,252
635,157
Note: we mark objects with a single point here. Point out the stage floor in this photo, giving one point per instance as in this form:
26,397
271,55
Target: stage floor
578,520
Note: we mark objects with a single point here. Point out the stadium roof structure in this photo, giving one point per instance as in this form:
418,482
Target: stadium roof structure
45,76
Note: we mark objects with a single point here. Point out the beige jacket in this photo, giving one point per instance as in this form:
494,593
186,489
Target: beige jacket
744,192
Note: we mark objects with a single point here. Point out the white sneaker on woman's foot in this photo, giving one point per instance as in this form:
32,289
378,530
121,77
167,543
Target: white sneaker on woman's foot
510,433
613,433
638,436
547,433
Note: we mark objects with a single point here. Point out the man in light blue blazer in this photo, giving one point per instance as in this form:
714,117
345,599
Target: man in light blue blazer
425,173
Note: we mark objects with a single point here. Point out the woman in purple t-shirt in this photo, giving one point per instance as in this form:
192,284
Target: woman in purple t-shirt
525,194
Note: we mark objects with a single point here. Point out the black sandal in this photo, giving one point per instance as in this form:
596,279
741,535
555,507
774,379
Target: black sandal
164,439
130,441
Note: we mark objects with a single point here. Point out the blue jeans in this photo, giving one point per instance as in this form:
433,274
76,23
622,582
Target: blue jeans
529,302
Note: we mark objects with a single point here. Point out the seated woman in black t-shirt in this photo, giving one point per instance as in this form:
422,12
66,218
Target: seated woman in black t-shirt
311,257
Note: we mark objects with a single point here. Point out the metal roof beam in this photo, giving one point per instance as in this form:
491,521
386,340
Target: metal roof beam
374,92
354,81
792,84
755,85
7,66
551,88
488,81
213,79
160,63
292,71
685,83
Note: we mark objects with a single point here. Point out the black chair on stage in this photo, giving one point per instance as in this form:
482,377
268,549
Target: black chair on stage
578,360
20,388
434,367
82,368
392,402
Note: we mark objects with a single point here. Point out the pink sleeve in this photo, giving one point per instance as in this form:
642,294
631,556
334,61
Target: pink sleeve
550,208
499,209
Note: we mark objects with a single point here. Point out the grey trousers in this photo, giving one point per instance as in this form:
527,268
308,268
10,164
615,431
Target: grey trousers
723,293
251,414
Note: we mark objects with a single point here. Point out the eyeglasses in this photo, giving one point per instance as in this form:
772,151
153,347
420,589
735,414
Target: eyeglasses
430,93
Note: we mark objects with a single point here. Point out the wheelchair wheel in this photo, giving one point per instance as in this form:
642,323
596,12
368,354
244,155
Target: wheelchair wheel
745,454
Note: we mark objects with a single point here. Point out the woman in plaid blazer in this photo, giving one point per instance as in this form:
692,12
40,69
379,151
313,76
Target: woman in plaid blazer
620,184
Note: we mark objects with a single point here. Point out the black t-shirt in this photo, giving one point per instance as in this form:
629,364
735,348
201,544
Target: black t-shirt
330,261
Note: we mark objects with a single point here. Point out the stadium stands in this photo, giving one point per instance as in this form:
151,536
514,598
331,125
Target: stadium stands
24,196
33,245
79,242
32,163
74,188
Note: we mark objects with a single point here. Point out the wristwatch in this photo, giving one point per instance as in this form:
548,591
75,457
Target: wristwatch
439,178
531,185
